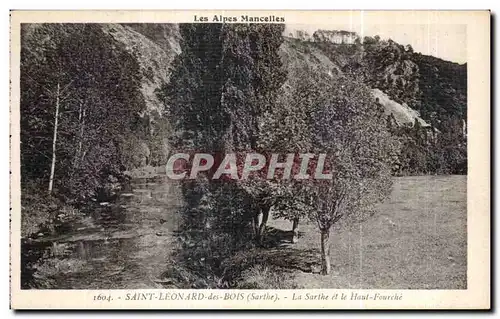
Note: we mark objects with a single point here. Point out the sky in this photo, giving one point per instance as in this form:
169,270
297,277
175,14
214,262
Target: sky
445,41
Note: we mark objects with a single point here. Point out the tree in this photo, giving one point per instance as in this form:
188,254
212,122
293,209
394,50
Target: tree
286,128
53,82
42,80
80,91
221,83
343,121
269,75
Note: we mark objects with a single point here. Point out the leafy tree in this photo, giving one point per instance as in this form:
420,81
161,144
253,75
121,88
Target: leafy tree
220,84
269,75
80,91
341,119
286,129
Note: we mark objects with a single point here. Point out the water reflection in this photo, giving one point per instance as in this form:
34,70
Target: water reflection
115,246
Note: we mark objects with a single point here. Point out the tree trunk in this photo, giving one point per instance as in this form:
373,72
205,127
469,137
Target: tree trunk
81,121
295,231
263,223
256,225
325,251
54,141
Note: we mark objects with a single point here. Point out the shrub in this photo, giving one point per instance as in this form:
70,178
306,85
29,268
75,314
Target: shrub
37,212
41,212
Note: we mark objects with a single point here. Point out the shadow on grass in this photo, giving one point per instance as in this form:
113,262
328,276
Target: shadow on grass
275,255
275,237
278,251
291,258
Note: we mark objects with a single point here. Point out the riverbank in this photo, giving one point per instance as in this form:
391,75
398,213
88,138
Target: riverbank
123,244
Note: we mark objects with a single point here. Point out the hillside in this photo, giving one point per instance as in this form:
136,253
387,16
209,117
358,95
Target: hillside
410,86
154,55
437,89
404,82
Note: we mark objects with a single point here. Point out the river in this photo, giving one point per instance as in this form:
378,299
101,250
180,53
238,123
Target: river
126,244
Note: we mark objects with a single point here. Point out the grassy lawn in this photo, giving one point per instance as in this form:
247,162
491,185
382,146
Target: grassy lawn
417,240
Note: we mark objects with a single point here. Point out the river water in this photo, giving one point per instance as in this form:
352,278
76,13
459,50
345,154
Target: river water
122,245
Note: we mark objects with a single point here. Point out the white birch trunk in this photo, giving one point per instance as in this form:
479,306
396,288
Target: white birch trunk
81,120
54,142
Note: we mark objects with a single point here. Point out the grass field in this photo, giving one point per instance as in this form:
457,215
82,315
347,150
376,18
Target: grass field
417,240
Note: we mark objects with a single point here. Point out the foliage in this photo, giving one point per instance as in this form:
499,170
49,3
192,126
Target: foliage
444,90
437,89
39,212
52,265
98,97
229,92
213,230
336,116
425,150
42,213
224,79
158,141
389,66
286,128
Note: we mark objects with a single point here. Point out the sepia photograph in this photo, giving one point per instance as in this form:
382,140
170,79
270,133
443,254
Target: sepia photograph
244,151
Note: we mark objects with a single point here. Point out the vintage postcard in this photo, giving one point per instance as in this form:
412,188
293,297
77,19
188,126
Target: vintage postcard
250,159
